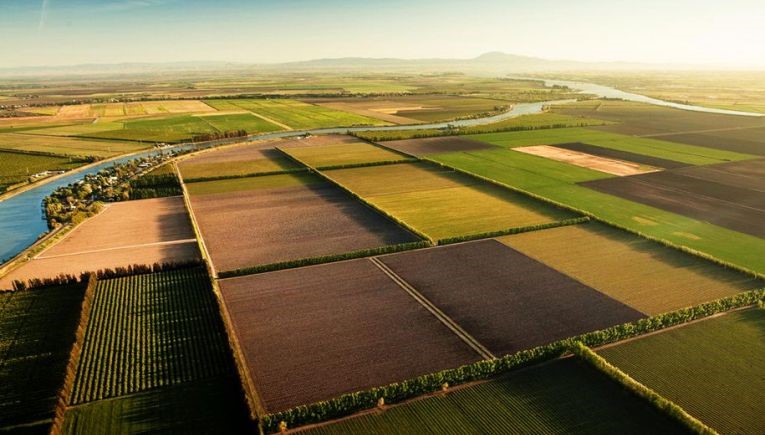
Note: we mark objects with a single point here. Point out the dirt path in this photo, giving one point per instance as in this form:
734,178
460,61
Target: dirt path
272,121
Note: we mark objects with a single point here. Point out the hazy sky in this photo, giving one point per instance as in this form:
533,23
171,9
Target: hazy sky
56,32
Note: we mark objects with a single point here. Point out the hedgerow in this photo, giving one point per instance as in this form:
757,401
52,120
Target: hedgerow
250,175
515,230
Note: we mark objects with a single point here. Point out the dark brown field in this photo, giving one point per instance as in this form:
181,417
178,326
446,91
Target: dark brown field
434,145
621,155
267,225
507,301
313,333
731,195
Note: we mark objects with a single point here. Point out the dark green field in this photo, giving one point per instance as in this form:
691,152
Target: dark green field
17,167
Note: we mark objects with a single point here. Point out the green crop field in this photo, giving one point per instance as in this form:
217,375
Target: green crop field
171,129
37,330
295,114
642,274
17,167
241,121
150,331
690,154
68,146
441,203
713,369
251,183
557,181
561,397
343,154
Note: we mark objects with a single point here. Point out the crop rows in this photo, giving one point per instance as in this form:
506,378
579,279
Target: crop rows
148,331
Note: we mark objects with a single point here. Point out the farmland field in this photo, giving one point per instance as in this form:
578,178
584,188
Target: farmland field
17,167
67,146
712,368
621,155
343,153
611,166
558,182
507,301
295,114
266,219
174,129
642,274
433,145
244,121
37,330
564,396
313,333
441,203
125,233
731,195
237,160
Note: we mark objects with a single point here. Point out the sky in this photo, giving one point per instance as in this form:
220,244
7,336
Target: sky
729,33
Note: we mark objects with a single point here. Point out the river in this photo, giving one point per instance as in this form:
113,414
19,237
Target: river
22,220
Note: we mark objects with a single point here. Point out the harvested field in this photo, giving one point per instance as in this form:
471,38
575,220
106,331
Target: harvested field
728,199
132,232
619,168
713,369
433,145
642,274
507,301
243,159
368,110
37,329
342,154
621,155
313,333
67,146
442,203
267,219
564,396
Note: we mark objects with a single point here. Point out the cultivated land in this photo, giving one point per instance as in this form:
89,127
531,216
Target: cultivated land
621,155
649,277
720,194
344,153
316,332
433,145
294,114
37,330
507,301
15,168
158,334
133,232
619,168
713,369
740,134
564,396
558,181
441,203
267,219
237,160
67,146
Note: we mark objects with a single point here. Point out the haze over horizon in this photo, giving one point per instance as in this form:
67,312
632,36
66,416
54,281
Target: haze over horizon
58,32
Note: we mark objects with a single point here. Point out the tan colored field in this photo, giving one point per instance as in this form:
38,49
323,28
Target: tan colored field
68,146
342,153
125,233
648,277
372,109
120,110
602,164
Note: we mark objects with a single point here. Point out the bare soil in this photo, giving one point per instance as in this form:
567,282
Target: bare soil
314,333
506,300
620,168
621,155
435,145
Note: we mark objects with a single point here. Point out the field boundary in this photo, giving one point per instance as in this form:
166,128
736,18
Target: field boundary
661,403
682,248
351,403
440,315
249,175
514,230
367,164
194,225
361,199
65,394
312,261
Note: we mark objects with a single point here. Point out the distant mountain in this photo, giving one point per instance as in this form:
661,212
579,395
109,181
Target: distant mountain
487,63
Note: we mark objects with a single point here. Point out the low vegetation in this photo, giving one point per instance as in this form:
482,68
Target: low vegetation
20,168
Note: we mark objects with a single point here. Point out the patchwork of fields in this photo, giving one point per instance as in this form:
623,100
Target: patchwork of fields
344,152
237,160
15,168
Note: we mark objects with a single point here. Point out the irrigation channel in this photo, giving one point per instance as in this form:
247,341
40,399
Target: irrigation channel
22,220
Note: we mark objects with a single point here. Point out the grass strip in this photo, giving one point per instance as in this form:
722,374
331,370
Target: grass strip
514,230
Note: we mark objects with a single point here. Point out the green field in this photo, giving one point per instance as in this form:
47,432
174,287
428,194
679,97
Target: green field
17,167
151,331
251,183
171,129
37,330
713,369
343,154
68,146
564,396
556,181
295,114
647,276
689,154
441,203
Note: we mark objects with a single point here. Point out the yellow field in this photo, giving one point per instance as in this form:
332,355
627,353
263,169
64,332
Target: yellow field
68,145
142,108
640,273
343,154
